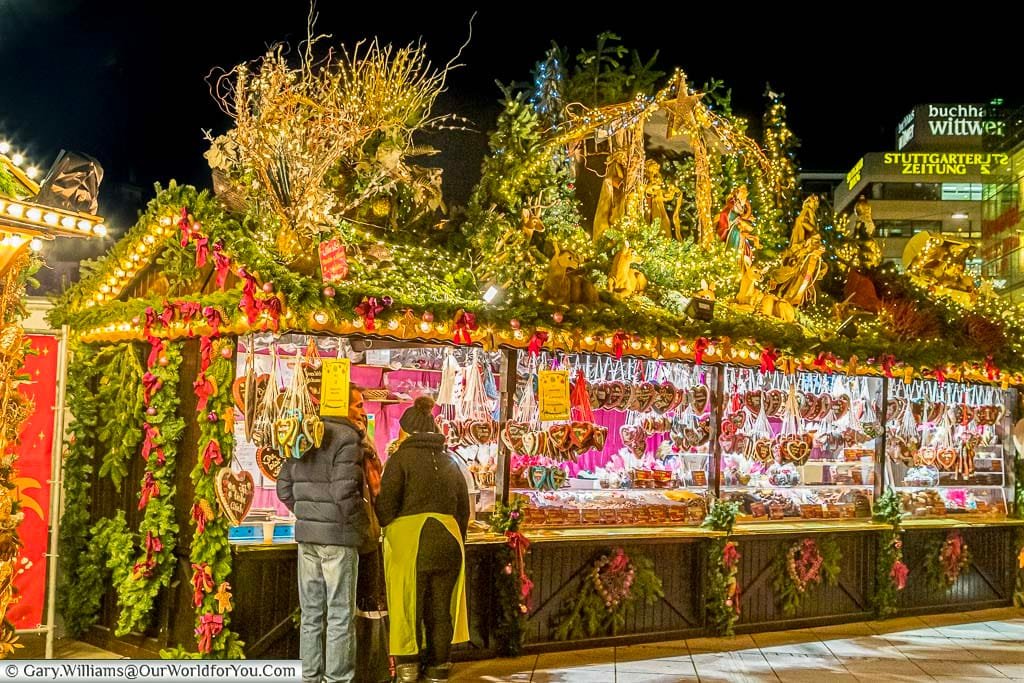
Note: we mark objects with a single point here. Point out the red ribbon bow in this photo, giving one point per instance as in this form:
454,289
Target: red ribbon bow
150,489
153,544
212,454
519,545
368,309
221,264
150,320
888,361
149,444
730,555
156,349
188,310
991,371
168,314
699,347
213,319
210,626
465,323
768,358
619,341
898,574
248,303
143,569
204,389
825,361
202,582
537,341
150,385
202,250
199,517
940,376
205,353
273,307
185,225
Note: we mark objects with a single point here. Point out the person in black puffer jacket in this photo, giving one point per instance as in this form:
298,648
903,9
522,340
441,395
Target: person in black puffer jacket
324,488
424,508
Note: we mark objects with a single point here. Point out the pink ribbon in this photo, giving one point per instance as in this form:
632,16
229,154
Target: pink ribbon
211,455
185,226
150,385
210,626
149,444
202,582
199,517
221,264
150,489
202,250
156,349
213,319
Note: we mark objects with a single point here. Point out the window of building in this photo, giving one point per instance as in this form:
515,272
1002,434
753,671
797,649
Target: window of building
961,229
964,192
905,228
905,191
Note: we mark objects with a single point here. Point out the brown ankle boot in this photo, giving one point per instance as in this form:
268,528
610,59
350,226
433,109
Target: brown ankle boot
407,673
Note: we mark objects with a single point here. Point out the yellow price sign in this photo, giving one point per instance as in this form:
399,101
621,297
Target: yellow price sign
553,395
334,387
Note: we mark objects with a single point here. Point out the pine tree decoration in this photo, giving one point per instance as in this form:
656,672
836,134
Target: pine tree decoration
548,88
776,199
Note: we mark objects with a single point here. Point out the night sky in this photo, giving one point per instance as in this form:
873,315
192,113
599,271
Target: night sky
124,82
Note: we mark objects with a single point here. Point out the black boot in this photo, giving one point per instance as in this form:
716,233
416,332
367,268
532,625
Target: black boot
437,674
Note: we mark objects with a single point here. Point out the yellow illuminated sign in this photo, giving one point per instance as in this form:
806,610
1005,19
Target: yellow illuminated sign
944,163
334,387
853,177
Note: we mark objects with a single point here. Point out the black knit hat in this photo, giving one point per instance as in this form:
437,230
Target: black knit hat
419,418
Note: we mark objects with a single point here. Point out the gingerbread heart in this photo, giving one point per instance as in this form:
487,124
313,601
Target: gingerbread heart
617,395
313,430
665,399
512,435
235,491
936,411
269,462
840,406
536,476
963,413
988,415
599,437
753,400
642,397
482,432
809,405
774,400
896,408
945,458
763,450
285,431
699,398
796,452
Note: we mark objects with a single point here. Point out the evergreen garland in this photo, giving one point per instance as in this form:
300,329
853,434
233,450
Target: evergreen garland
722,599
210,546
890,570
119,390
513,600
158,529
106,558
79,461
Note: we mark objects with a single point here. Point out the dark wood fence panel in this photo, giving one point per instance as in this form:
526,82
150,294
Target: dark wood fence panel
849,599
988,580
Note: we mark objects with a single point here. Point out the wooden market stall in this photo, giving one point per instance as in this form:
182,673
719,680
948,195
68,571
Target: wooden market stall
664,443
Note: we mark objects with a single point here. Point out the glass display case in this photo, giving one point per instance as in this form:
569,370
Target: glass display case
463,382
800,446
947,448
633,449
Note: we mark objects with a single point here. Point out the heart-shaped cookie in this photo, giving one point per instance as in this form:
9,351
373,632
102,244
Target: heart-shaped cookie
809,405
774,399
666,398
988,415
483,432
840,406
269,462
699,398
235,491
617,395
642,397
936,411
599,437
963,413
537,475
945,458
512,435
285,431
796,451
762,449
753,400
313,430
896,408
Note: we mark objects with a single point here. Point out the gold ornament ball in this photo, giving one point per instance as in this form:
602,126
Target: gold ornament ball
381,207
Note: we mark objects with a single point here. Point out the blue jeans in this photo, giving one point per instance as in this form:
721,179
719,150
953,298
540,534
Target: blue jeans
327,584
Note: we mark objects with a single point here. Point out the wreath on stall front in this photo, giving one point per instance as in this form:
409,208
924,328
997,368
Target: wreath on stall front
804,565
611,587
946,559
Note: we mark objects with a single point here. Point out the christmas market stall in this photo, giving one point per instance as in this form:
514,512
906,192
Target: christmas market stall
691,402
64,204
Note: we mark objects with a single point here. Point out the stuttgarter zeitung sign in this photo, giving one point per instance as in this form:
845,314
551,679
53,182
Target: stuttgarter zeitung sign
943,163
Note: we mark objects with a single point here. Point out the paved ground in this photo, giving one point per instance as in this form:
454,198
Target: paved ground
968,646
